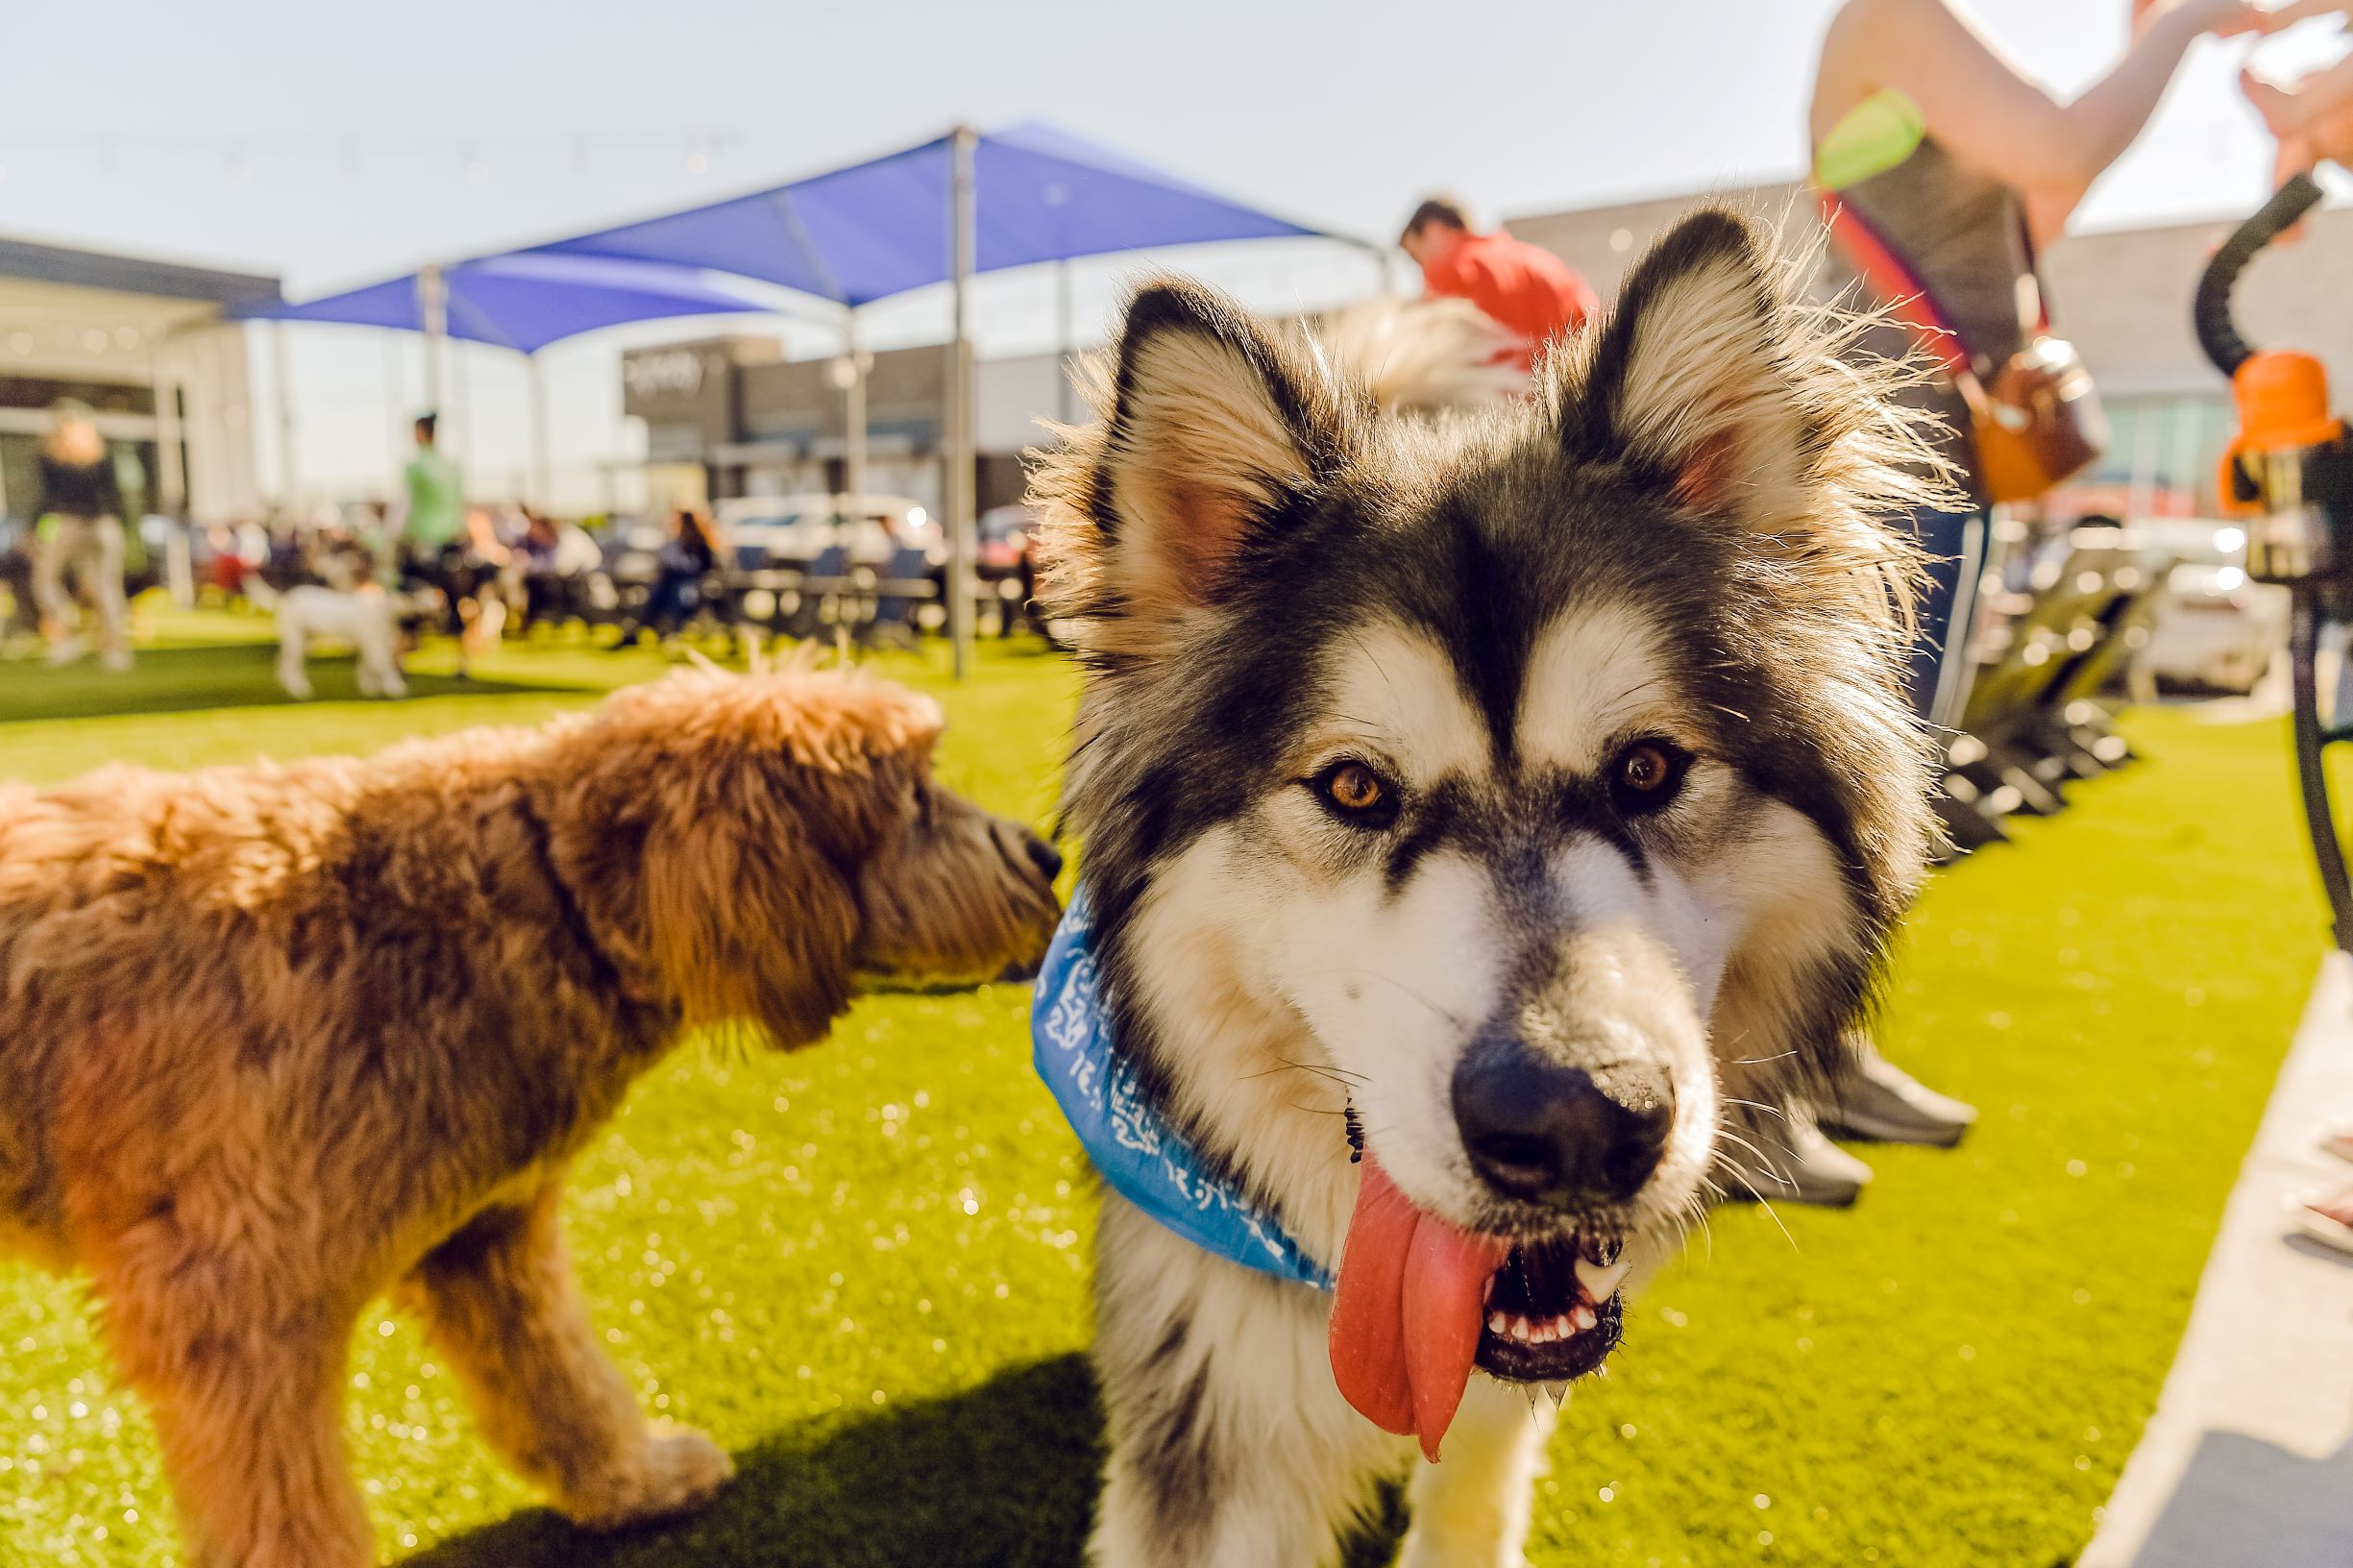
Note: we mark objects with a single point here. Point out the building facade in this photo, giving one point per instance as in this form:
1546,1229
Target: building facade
143,342
731,416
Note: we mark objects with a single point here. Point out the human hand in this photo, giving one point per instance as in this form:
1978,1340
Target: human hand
2221,18
2279,18
2311,116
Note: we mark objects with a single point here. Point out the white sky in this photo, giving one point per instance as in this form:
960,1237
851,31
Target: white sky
1340,116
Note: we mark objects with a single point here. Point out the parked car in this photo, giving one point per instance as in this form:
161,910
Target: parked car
2214,630
1001,542
632,548
794,530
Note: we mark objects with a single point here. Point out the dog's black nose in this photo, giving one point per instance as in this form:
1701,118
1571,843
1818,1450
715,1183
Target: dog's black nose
1546,1133
1042,855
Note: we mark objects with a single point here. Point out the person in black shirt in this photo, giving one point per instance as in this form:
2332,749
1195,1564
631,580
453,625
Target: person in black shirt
81,520
689,557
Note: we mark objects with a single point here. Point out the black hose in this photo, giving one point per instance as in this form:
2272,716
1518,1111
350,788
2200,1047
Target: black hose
2211,313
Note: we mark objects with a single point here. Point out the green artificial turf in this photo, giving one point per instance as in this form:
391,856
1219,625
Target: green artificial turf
864,1267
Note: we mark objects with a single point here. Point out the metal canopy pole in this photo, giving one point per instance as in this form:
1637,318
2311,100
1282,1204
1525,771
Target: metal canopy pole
290,485
396,399
1066,342
461,409
433,309
171,436
853,460
960,458
542,467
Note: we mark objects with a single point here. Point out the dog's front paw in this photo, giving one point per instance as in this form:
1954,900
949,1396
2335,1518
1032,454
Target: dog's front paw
676,1472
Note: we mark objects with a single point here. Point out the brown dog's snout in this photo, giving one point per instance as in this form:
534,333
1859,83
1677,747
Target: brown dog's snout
1040,863
1546,1133
1023,847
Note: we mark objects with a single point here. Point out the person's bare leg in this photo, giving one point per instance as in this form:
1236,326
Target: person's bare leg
465,638
499,1303
50,593
102,567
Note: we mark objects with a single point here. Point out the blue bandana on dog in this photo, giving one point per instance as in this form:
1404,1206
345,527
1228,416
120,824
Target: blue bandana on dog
1130,1141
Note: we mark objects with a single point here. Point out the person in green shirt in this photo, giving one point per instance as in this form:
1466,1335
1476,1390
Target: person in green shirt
435,493
443,545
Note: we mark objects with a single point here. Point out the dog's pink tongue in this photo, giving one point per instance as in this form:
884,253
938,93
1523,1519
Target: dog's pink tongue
1445,1297
1406,1313
1368,1325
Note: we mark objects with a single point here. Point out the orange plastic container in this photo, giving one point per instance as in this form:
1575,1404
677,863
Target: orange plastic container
2283,405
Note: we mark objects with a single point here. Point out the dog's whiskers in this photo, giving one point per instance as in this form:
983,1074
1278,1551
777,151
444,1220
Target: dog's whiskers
1335,1075
1749,1178
1778,1172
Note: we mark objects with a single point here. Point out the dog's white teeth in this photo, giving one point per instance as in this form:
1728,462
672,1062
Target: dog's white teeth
1523,1331
1601,1280
1498,1324
1584,1317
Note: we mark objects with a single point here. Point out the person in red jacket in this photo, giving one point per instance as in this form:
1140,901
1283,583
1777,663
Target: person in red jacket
1528,289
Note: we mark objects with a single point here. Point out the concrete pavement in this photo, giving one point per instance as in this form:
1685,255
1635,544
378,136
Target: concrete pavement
2248,1460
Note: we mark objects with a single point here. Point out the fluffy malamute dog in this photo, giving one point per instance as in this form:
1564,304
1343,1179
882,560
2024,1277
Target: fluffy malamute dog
1501,794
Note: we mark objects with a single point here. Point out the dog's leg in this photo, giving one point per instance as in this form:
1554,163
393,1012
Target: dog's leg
290,673
1472,1510
379,659
388,657
499,1301
246,1390
1230,1444
364,667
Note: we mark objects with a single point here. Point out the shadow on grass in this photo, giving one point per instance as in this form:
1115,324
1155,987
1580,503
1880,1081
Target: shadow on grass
1002,1474
186,679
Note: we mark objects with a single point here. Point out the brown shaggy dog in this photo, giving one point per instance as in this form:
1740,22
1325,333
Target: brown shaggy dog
275,1039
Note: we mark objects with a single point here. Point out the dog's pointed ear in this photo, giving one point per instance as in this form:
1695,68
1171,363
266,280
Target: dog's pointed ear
1692,381
1214,432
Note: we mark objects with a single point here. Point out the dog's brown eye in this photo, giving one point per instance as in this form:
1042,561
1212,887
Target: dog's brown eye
1647,775
1357,793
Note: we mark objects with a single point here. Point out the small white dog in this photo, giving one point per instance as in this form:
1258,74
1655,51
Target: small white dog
366,617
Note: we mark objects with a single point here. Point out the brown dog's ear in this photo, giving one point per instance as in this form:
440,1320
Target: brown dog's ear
1693,378
749,918
1214,432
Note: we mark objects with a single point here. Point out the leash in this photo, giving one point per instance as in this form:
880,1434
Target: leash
1137,1149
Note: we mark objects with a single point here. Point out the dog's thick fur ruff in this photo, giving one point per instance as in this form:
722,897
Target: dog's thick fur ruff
367,619
1677,542
275,1039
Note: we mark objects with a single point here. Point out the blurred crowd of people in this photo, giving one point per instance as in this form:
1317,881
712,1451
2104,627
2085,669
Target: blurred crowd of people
66,577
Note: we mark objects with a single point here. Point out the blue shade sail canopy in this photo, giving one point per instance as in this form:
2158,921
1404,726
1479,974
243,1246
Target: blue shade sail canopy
880,228
526,302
